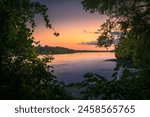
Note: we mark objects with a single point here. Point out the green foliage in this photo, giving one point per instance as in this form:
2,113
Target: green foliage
22,74
131,17
97,87
90,85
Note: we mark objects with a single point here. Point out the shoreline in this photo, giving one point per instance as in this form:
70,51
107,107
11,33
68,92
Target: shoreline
76,52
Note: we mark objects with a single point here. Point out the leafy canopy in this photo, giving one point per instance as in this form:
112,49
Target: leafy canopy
132,19
23,74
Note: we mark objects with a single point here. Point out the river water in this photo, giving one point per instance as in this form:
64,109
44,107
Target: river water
70,68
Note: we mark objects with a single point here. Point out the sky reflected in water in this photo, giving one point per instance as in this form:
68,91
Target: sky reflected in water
71,67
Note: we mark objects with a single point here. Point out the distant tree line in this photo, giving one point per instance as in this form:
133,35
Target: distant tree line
53,50
43,50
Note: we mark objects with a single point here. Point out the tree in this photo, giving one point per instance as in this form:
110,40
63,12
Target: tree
131,18
23,74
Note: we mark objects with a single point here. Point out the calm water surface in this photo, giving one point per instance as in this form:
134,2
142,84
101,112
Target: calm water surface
71,67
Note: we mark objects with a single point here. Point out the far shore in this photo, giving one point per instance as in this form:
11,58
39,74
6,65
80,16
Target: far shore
62,50
77,51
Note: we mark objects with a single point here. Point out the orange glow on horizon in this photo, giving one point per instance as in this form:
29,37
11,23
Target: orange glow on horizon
71,33
70,36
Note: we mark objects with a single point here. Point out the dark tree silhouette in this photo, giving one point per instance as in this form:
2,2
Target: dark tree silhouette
132,19
23,74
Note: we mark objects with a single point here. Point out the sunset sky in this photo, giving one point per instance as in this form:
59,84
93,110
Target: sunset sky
74,24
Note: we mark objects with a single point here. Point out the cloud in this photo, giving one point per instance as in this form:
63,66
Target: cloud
89,43
87,31
90,32
96,32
